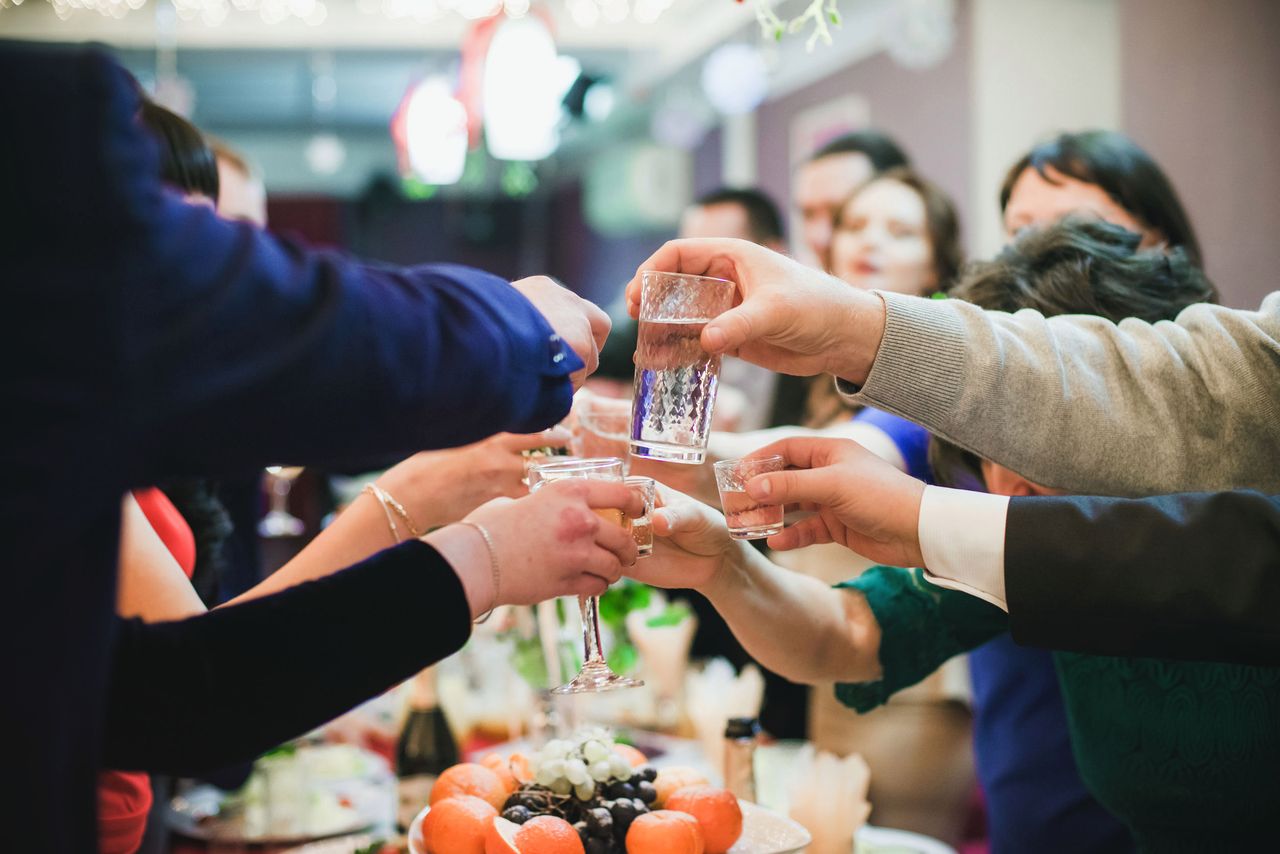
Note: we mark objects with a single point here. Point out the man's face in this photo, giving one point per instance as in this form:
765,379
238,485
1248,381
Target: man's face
822,186
716,220
240,196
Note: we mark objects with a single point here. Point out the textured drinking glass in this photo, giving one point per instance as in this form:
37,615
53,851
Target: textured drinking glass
747,518
595,674
675,385
642,528
600,427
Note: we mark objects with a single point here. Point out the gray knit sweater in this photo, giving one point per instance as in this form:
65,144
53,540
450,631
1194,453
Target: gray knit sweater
1088,406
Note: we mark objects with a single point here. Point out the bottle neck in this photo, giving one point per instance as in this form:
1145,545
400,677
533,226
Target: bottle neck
422,691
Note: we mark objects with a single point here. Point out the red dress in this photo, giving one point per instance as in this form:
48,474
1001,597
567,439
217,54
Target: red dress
124,798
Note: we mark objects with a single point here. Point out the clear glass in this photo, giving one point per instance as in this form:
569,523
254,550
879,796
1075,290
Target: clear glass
595,674
675,380
600,427
279,522
747,518
642,528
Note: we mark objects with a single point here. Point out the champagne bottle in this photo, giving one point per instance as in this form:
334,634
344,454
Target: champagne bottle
426,747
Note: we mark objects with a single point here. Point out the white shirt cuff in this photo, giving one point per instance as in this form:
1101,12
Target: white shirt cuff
962,540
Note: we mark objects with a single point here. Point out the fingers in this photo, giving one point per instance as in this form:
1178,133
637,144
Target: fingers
806,532
599,321
589,585
603,495
807,452
737,326
796,486
719,258
618,542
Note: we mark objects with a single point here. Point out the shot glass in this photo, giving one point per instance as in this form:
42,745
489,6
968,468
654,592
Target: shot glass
675,380
600,427
747,518
642,528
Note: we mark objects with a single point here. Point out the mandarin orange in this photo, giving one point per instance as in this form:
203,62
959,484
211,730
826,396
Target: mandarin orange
665,832
716,811
457,825
675,777
469,778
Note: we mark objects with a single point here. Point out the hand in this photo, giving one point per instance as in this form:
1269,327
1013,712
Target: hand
861,501
439,487
547,544
692,546
694,481
790,319
580,323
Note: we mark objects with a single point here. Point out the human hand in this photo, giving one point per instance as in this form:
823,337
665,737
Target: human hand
859,500
790,318
691,544
439,487
581,324
551,543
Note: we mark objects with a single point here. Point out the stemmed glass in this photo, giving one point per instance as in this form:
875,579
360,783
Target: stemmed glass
595,674
279,522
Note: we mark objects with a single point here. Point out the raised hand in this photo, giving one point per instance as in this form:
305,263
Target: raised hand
581,324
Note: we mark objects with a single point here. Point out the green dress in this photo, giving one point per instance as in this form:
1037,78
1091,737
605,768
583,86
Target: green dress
1187,754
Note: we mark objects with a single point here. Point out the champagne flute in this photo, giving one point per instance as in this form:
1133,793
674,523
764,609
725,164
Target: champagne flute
279,522
595,674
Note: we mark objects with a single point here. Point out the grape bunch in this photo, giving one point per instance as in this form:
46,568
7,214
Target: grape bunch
589,785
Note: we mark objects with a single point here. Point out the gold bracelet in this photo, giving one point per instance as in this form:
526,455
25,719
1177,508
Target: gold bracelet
493,565
390,505
391,519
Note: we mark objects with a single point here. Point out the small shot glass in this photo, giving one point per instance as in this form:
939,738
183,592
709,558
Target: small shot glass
747,518
642,528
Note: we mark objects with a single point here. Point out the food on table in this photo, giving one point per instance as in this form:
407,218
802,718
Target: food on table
665,832
716,811
457,825
675,777
580,796
468,778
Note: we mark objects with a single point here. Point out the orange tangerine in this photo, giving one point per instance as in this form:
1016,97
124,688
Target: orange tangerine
511,770
469,778
457,826
547,834
631,754
670,779
665,832
716,811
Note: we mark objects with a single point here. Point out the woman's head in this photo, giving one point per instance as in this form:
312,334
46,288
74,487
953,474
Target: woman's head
897,232
187,162
1075,266
1102,174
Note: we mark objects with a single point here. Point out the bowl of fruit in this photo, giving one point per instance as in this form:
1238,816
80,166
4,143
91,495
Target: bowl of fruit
588,795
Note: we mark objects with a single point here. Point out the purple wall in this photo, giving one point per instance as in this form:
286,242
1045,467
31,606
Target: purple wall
927,112
1201,91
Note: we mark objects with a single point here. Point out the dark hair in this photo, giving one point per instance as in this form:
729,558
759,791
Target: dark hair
1115,164
878,147
187,162
1076,266
941,222
763,216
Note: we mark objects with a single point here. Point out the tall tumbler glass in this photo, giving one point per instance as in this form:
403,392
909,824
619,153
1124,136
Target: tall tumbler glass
675,384
595,674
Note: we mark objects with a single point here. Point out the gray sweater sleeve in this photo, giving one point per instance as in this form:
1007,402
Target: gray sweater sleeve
1088,406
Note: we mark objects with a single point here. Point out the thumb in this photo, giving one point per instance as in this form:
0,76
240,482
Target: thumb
795,486
734,328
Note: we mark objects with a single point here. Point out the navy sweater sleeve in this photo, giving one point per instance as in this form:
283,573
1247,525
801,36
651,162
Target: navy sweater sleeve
248,677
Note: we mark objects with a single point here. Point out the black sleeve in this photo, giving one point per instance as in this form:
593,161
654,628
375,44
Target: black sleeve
197,694
1194,576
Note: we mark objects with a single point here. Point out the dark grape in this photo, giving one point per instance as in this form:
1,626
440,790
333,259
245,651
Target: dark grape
648,772
600,820
513,801
640,806
621,790
646,792
584,833
518,813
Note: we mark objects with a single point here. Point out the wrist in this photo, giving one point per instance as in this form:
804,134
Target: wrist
466,551
728,575
403,483
863,329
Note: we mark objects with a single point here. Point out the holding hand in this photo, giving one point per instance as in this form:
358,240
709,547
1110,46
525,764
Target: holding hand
551,543
581,324
860,501
791,319
692,546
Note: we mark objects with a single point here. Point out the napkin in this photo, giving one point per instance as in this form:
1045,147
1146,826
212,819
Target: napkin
828,795
715,694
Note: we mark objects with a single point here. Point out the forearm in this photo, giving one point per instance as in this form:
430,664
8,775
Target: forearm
252,675
793,624
1158,403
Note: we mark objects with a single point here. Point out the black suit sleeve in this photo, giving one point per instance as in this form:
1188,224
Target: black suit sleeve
1194,576
248,677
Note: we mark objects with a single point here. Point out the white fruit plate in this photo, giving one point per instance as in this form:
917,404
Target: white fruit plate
763,832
